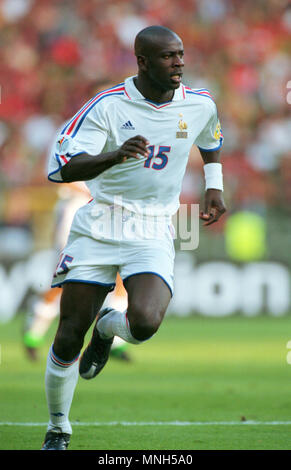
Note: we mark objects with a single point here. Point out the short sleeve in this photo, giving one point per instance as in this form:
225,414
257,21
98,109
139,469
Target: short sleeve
86,132
211,137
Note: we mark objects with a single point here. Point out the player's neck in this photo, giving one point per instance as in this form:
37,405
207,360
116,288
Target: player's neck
151,92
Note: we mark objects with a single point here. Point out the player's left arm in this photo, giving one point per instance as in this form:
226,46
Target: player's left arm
214,205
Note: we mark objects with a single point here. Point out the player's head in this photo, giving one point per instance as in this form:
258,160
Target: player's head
159,53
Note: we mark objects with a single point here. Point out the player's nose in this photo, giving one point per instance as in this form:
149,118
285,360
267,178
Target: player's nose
178,62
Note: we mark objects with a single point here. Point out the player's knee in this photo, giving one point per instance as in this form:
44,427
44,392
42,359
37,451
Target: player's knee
144,322
69,339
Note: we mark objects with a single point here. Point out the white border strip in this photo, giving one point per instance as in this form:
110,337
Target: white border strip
160,423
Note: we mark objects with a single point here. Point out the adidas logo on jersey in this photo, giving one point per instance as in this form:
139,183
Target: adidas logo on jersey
128,125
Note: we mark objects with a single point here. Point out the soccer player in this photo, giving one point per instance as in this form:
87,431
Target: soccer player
131,145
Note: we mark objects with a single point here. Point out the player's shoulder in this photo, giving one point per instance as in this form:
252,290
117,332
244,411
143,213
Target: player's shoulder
109,95
201,95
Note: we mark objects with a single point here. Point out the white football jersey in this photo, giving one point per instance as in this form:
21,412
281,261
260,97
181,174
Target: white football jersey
104,123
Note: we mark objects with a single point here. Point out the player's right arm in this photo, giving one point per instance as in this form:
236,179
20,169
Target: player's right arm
80,152
84,167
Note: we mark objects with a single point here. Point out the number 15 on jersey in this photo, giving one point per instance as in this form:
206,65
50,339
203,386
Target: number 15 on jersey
158,161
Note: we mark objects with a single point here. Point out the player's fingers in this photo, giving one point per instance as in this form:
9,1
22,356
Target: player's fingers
138,142
203,216
135,149
131,154
141,139
214,216
207,210
142,142
211,221
141,148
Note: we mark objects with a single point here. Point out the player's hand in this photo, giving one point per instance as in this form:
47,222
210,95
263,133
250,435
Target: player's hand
136,147
214,206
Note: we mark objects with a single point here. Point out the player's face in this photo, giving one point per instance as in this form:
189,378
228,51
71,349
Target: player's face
165,64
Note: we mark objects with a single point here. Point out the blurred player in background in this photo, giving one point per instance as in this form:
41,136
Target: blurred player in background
44,310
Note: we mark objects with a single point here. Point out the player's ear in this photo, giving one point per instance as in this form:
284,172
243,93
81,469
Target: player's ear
141,62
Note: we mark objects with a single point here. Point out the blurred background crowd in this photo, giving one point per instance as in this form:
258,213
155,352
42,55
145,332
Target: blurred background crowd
56,54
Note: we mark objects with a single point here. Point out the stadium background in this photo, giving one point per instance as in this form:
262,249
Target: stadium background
56,54
222,370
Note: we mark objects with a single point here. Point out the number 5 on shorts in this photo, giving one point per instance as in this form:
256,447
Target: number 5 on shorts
62,267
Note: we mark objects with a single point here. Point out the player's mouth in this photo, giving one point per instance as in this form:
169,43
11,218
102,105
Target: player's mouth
176,78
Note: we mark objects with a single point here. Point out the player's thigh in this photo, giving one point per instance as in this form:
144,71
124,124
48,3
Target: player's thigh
80,303
148,298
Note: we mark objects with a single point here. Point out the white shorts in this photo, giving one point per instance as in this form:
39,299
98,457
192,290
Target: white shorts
91,260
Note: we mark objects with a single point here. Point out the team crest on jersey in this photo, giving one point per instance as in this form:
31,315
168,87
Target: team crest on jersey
182,134
63,144
217,132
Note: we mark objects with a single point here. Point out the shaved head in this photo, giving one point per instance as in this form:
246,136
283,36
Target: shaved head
148,38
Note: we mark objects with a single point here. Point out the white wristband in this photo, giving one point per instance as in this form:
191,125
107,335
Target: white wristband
213,176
